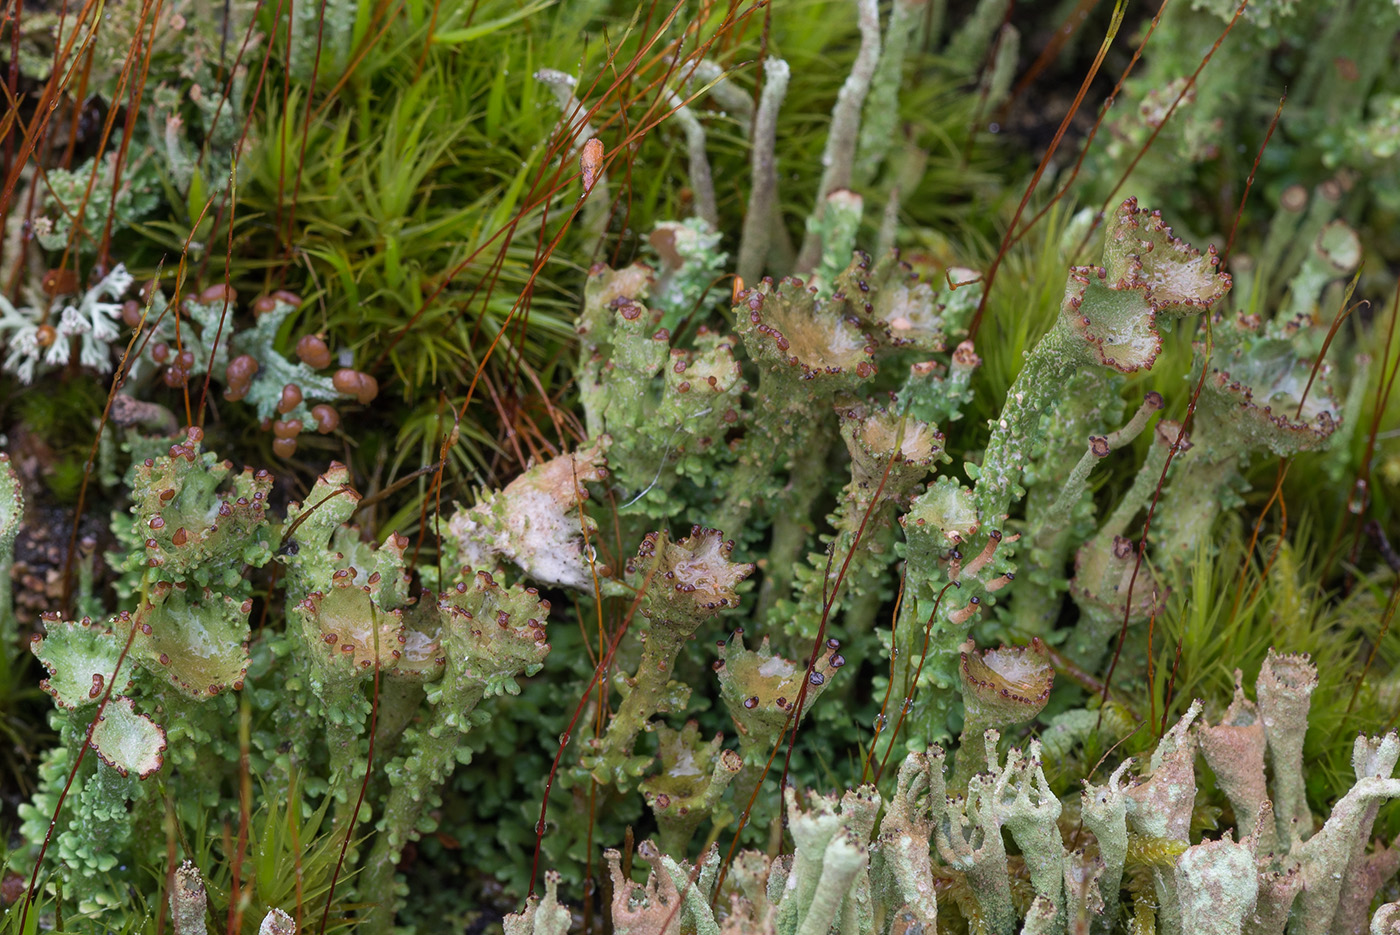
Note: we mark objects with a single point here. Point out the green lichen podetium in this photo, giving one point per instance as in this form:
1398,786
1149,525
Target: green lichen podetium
11,512
1261,397
483,637
683,584
1110,323
111,803
186,526
435,658
934,857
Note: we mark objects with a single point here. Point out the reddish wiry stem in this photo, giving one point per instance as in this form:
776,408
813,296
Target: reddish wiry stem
991,274
1094,130
364,784
794,717
605,665
136,621
1249,182
1356,497
1156,131
1147,522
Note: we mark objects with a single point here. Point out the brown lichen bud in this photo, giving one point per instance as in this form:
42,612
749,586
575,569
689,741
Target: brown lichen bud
591,162
362,386
220,293
58,282
313,352
284,447
327,419
131,313
291,398
46,335
241,370
289,428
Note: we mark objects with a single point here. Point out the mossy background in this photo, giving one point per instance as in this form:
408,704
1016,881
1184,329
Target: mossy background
408,192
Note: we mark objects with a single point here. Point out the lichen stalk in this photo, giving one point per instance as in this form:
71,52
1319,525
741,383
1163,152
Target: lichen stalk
755,242
701,181
839,156
683,584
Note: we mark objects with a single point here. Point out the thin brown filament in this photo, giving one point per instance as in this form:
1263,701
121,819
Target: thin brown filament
1156,131
991,273
889,686
1151,673
495,342
592,556
1147,522
1076,18
107,124
136,620
1275,496
364,785
1341,316
794,717
1376,643
1249,182
578,710
245,799
232,74
829,601
12,288
912,686
294,826
43,112
1356,507
533,201
1167,698
133,108
228,291
117,380
305,132
753,799
168,879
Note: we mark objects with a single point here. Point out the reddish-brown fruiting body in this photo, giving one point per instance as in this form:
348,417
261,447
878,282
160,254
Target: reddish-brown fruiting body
313,352
291,398
60,282
220,293
289,428
354,383
327,419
